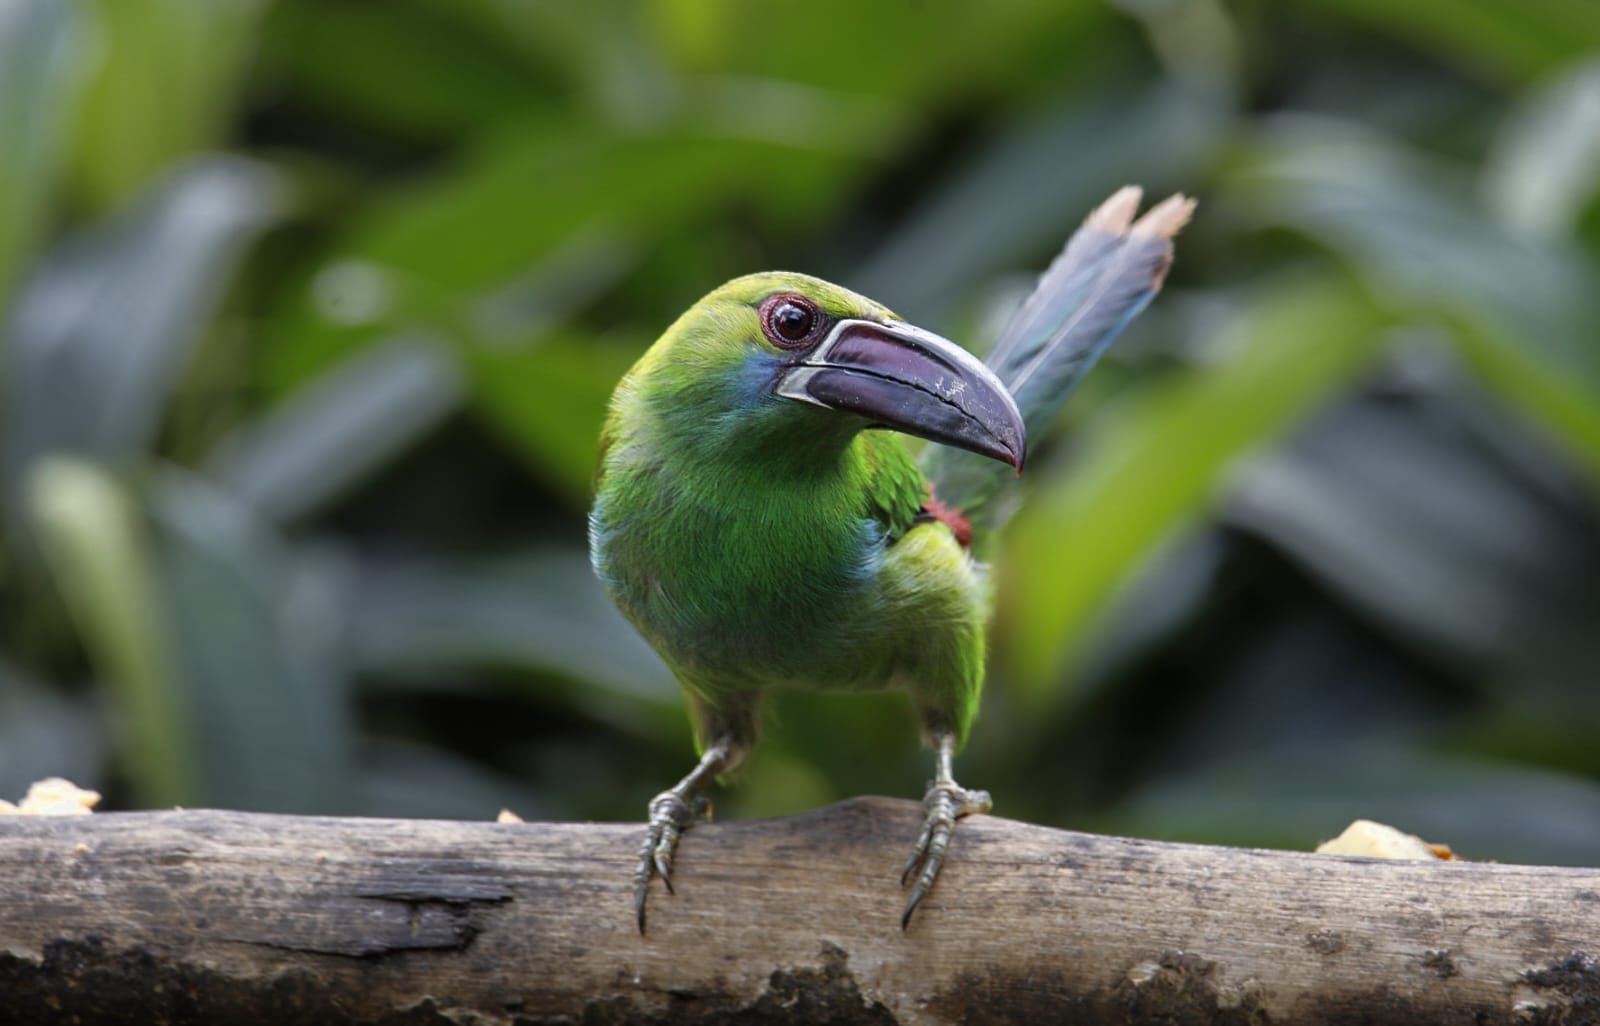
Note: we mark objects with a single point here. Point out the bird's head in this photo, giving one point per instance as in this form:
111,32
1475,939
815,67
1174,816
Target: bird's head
788,354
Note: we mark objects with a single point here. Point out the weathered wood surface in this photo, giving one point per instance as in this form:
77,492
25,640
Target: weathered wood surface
218,917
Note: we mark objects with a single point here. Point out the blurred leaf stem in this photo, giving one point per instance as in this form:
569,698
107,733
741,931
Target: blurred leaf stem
101,559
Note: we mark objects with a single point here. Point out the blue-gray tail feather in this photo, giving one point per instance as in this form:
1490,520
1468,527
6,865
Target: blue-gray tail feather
1110,270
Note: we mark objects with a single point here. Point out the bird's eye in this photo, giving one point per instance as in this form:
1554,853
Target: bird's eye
790,321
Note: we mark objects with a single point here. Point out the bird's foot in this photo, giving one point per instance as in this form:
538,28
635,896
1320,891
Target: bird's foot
671,813
946,802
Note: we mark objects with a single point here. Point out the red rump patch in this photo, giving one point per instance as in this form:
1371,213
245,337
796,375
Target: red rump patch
950,517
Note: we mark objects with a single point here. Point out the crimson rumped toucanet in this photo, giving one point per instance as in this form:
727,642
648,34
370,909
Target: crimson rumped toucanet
760,536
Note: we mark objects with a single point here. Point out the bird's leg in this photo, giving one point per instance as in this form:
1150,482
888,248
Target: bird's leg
946,802
671,813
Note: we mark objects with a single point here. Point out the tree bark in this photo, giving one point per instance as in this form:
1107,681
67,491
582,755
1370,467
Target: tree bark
218,917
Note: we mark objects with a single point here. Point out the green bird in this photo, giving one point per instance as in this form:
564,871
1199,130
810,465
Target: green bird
760,535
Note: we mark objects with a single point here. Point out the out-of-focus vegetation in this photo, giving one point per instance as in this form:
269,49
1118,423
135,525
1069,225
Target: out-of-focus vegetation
311,308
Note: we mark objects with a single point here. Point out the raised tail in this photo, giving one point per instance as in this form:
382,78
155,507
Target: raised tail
1109,271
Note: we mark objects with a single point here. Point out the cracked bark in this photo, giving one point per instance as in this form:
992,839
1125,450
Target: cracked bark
218,917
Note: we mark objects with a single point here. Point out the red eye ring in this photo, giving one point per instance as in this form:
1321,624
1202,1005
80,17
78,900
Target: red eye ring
790,321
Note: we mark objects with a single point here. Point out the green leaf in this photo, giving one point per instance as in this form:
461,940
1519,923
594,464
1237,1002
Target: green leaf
1508,40
330,436
536,611
1523,311
162,90
400,67
549,400
257,635
525,201
1565,405
101,561
1016,197
1545,165
101,335
42,56
1152,465
1390,506
939,49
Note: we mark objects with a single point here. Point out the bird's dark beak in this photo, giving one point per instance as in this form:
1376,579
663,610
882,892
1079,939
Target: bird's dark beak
902,377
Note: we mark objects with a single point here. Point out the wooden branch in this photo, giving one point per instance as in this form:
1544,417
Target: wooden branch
219,917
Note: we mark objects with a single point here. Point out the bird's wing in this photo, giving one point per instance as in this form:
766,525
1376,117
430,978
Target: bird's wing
896,492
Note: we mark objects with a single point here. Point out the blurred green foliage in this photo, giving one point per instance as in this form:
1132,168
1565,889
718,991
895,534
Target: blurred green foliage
310,308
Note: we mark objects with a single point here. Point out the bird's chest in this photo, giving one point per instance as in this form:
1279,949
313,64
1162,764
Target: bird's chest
752,589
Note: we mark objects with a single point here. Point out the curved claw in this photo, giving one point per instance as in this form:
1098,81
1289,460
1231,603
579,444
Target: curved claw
663,862
670,815
919,851
946,803
911,906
